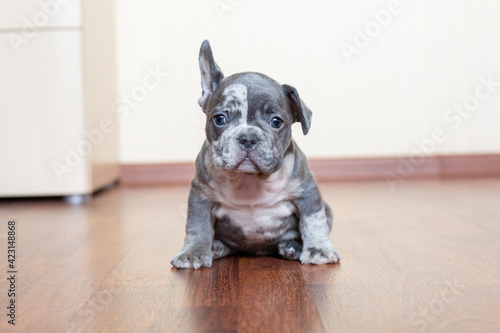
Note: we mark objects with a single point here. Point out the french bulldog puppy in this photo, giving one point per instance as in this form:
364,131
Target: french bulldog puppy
253,191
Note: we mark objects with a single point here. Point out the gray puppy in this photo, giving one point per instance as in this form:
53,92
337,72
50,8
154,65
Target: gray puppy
253,191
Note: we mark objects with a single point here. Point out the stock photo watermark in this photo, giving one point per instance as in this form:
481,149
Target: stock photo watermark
363,36
48,9
12,269
437,306
453,118
255,319
122,106
98,302
224,6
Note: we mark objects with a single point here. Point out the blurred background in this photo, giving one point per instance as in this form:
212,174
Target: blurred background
88,87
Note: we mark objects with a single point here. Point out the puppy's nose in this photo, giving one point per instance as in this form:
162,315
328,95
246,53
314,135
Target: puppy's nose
248,142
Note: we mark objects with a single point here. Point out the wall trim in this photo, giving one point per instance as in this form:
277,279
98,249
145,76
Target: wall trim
345,169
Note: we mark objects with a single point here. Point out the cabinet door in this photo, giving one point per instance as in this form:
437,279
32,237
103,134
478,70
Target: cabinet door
41,116
39,14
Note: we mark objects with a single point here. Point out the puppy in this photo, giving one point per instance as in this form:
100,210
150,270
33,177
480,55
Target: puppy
253,191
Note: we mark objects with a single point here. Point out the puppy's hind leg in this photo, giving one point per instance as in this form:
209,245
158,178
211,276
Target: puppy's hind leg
220,250
290,249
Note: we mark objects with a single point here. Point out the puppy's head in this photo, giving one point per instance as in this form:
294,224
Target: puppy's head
249,117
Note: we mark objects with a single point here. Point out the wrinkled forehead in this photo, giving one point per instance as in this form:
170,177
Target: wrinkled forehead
249,93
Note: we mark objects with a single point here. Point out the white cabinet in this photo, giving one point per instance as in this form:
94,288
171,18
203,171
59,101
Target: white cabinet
58,129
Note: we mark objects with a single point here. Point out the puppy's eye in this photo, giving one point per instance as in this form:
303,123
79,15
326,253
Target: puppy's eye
276,122
220,120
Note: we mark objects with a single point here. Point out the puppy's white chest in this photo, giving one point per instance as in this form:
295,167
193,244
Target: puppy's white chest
256,218
256,210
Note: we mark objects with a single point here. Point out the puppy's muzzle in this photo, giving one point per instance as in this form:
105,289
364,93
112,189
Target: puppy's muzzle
248,142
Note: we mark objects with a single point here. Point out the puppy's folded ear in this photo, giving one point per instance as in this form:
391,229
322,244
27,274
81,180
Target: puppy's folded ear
210,73
299,109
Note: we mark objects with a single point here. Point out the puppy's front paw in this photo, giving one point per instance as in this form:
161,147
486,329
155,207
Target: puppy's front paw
194,257
319,255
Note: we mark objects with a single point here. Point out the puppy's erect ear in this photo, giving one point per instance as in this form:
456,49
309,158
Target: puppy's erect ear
299,109
210,74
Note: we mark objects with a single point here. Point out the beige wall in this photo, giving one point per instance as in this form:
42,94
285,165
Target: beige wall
393,95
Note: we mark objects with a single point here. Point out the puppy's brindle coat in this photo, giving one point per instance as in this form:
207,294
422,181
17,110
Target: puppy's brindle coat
253,191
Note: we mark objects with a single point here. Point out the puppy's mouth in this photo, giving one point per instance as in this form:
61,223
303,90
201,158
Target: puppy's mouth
247,166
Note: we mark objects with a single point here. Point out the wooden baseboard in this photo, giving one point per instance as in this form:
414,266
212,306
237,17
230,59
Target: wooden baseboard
157,174
387,168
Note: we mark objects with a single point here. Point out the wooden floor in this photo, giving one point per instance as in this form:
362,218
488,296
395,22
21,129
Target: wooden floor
422,258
